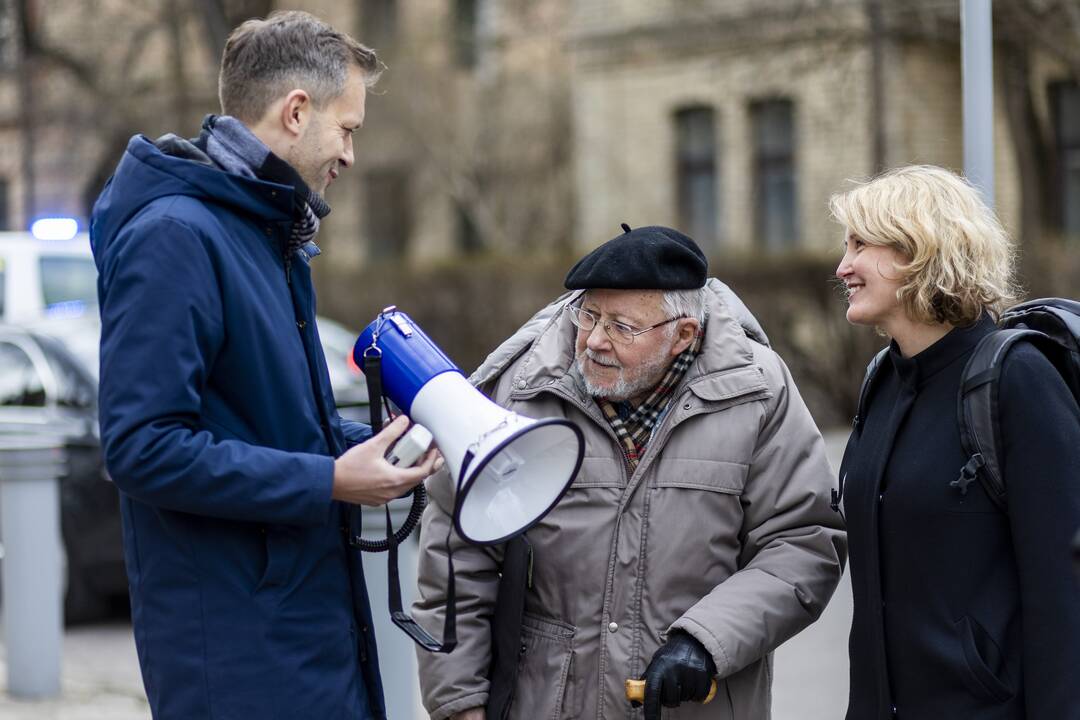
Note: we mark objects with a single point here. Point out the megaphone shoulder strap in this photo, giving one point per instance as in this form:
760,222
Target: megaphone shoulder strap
405,621
373,376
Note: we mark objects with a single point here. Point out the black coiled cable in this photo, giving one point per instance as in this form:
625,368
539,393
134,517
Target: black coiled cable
377,546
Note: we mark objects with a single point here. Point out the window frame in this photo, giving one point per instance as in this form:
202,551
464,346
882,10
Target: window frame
692,167
770,164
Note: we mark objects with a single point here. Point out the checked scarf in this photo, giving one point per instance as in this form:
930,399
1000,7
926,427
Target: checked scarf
634,427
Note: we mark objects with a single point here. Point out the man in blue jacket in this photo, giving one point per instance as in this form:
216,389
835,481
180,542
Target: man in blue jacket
217,418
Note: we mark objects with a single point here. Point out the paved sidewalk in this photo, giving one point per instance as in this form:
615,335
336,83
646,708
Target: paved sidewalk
100,680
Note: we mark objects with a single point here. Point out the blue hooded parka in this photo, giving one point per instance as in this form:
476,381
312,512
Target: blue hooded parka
220,430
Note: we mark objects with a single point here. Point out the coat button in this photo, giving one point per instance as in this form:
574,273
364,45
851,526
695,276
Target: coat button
612,627
686,406
522,384
301,324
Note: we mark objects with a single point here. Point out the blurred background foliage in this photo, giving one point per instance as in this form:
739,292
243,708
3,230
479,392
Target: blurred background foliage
509,137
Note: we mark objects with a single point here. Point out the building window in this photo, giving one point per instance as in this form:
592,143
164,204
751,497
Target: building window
1066,108
378,23
775,209
387,216
695,170
465,32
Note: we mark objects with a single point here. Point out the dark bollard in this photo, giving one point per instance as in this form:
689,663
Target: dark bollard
30,469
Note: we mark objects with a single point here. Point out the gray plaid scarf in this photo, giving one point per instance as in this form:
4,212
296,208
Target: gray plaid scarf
235,149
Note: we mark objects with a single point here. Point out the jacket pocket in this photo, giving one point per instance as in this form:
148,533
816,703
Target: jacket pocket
601,472
544,667
280,557
717,476
979,676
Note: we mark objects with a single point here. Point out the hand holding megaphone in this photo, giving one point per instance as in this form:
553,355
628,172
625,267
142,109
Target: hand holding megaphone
363,476
508,470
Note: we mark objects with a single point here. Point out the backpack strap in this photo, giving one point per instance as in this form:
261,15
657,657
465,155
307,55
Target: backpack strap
978,413
867,384
860,417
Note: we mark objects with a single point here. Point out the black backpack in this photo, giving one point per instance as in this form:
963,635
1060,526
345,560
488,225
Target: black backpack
1053,326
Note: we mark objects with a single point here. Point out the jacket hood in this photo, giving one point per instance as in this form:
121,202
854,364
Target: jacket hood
147,172
548,339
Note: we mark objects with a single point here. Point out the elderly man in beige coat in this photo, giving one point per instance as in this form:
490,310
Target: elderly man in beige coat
697,535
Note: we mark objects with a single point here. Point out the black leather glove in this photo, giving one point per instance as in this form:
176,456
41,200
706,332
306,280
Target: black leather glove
681,670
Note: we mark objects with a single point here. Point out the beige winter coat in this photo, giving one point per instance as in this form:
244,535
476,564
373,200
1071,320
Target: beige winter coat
724,531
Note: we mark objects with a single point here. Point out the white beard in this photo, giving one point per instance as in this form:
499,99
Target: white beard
629,382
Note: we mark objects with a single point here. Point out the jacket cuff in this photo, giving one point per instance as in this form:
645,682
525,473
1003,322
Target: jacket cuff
321,495
712,644
463,703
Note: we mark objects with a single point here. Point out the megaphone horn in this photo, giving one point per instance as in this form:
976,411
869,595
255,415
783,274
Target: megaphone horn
509,470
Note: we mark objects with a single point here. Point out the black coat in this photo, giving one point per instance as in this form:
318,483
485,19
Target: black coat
962,610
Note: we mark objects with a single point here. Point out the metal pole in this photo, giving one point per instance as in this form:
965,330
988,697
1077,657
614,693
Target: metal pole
27,115
877,83
33,613
978,79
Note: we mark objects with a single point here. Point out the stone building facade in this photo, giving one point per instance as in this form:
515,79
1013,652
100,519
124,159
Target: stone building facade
537,126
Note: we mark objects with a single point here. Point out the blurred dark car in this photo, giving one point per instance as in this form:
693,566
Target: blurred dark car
48,388
350,388
47,392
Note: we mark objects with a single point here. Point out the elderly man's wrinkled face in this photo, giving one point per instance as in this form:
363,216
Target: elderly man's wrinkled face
619,372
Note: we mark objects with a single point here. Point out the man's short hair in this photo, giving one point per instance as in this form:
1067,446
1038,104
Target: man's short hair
266,59
960,260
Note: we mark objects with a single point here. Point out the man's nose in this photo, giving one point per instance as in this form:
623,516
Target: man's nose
347,157
598,338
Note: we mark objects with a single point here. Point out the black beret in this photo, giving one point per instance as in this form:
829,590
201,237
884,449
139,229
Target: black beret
646,258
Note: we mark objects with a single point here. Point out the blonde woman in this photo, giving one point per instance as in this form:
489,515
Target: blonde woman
962,610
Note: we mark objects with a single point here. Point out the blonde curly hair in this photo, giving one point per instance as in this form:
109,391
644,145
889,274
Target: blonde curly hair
960,260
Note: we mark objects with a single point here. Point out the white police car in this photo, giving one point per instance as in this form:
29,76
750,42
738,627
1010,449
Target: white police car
48,272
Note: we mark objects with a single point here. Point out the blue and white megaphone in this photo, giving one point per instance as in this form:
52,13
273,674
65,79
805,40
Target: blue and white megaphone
509,470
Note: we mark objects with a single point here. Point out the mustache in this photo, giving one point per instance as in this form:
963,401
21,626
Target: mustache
601,359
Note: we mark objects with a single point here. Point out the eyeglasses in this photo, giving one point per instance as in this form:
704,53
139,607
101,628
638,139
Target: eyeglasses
618,332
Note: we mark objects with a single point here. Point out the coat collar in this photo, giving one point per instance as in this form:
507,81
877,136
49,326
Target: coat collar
958,342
